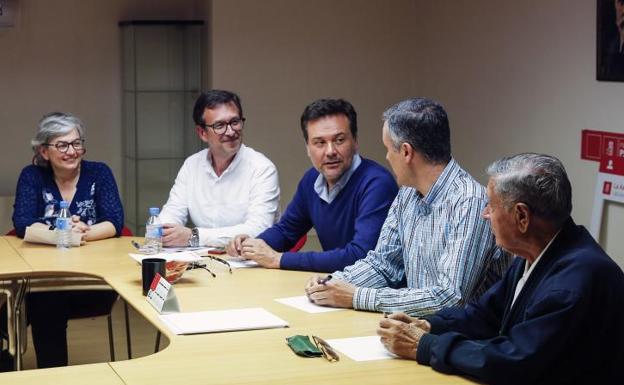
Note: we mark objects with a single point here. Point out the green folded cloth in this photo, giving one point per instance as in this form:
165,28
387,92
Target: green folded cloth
302,346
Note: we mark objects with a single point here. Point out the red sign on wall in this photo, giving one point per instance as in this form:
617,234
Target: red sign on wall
606,148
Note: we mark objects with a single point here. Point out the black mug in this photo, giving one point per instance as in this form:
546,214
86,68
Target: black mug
149,268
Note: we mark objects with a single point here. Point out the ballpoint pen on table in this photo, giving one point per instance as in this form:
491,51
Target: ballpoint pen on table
325,280
135,244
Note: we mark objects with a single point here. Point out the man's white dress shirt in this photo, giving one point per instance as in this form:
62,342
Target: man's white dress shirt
529,269
243,200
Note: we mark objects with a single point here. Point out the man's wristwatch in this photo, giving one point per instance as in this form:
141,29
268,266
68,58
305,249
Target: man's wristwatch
194,239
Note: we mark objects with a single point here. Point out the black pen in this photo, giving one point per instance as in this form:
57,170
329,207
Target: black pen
325,280
135,244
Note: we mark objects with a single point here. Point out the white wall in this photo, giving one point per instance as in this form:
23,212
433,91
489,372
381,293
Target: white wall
64,55
520,76
280,55
514,76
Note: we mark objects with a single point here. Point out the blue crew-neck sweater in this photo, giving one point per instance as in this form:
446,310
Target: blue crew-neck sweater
347,228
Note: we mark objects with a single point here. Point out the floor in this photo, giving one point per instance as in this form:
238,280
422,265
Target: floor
88,339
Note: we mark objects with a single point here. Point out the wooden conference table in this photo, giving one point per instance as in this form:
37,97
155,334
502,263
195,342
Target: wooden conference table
245,357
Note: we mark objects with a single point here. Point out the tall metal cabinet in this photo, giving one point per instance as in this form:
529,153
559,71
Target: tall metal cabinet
161,78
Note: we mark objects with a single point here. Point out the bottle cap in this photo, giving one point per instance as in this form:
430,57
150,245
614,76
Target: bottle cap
64,204
154,211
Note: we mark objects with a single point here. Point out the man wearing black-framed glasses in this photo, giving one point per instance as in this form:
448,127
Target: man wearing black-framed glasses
225,189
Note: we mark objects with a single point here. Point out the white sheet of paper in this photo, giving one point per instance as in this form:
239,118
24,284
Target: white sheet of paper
241,263
182,256
361,348
200,250
222,321
303,303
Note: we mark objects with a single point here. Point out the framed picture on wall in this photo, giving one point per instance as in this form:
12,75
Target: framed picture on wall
8,11
610,40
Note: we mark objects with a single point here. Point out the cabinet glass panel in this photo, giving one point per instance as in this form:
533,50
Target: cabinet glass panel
129,123
192,143
154,180
161,79
130,196
192,58
159,58
160,122
128,80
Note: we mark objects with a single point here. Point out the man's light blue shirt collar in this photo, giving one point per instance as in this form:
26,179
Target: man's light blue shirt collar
439,187
320,185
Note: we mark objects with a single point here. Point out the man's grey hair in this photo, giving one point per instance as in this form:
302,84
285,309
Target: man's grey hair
540,181
51,126
424,125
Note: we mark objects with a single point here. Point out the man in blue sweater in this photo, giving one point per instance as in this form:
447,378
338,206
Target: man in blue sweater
344,197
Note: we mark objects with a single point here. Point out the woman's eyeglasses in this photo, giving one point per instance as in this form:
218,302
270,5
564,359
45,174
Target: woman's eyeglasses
63,147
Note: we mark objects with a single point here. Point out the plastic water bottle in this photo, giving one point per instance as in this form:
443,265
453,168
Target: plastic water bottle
63,227
153,232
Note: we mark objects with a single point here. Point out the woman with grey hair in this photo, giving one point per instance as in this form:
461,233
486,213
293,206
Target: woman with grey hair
58,173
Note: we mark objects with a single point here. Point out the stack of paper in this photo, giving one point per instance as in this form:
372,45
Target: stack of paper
367,348
221,321
241,263
303,303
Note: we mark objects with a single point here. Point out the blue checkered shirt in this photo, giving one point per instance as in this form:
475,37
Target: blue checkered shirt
433,251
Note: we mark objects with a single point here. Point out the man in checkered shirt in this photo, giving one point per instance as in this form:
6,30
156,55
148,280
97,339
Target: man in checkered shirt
435,250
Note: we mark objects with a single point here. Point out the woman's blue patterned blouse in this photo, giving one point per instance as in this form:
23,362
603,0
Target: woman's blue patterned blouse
96,200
